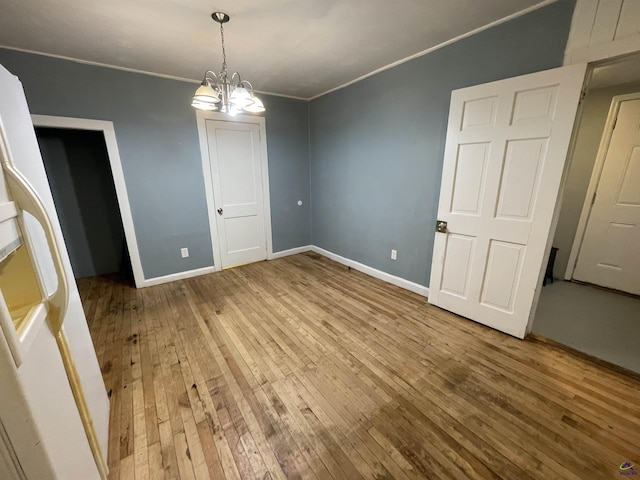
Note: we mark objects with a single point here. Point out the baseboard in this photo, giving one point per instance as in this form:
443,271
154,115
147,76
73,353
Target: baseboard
379,274
291,251
150,282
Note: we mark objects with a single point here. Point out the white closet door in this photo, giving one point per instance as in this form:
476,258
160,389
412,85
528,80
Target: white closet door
236,170
610,251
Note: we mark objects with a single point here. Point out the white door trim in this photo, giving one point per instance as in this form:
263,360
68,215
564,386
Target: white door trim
201,119
595,179
108,130
601,30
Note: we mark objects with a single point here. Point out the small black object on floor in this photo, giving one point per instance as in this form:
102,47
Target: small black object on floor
548,275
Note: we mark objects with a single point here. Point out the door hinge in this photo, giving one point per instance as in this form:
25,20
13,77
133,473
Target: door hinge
583,94
593,200
615,122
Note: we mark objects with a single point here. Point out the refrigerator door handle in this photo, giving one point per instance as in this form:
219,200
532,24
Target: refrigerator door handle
27,200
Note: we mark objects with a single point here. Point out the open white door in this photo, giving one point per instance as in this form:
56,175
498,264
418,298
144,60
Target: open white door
504,158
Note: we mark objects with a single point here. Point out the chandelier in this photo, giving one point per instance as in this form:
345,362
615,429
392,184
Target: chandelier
230,95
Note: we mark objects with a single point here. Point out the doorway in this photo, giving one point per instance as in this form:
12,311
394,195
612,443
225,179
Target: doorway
606,247
107,130
601,322
78,170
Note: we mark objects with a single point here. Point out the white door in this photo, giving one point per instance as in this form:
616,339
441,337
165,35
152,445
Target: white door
236,171
504,159
610,251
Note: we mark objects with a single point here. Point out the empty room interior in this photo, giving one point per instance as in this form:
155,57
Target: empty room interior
319,240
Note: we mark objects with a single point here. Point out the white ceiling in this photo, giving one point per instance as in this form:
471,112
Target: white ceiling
300,48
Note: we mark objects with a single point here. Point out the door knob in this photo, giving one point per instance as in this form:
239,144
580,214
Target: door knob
441,226
220,211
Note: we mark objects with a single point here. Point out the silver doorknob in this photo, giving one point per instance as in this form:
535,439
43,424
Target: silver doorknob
441,226
220,211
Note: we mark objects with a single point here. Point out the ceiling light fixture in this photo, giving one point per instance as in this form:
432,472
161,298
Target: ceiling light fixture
219,92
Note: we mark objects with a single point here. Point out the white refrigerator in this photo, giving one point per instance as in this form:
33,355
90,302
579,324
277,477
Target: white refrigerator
54,410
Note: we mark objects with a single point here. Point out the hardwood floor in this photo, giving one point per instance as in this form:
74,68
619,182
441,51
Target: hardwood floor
300,368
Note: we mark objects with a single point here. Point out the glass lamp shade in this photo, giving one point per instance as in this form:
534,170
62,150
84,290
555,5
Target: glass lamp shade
206,94
203,105
256,107
240,97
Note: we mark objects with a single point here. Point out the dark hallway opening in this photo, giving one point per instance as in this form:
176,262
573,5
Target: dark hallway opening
79,173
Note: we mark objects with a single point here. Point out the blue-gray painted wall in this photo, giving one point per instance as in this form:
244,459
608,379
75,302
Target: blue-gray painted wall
288,145
366,161
158,143
376,147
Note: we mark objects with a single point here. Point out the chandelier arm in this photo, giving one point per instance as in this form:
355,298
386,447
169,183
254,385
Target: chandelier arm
215,78
236,76
247,82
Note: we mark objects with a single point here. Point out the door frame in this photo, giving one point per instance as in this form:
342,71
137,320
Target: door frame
107,129
596,173
201,120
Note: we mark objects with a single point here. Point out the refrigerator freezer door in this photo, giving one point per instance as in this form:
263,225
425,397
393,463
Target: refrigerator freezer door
73,342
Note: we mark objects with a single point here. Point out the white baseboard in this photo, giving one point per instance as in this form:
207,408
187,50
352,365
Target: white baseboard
379,274
150,282
291,251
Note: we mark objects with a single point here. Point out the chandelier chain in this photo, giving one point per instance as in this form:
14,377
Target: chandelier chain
224,53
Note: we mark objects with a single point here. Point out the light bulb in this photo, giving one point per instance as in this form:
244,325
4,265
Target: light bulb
240,97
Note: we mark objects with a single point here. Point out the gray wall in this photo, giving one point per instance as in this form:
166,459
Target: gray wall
376,147
79,173
594,116
288,145
158,143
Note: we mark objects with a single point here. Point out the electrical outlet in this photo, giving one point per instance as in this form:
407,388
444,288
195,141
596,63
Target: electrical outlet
184,252
394,254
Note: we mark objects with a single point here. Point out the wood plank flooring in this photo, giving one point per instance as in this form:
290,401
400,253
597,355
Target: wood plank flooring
300,368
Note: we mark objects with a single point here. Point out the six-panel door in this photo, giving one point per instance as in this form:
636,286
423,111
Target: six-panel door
504,158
